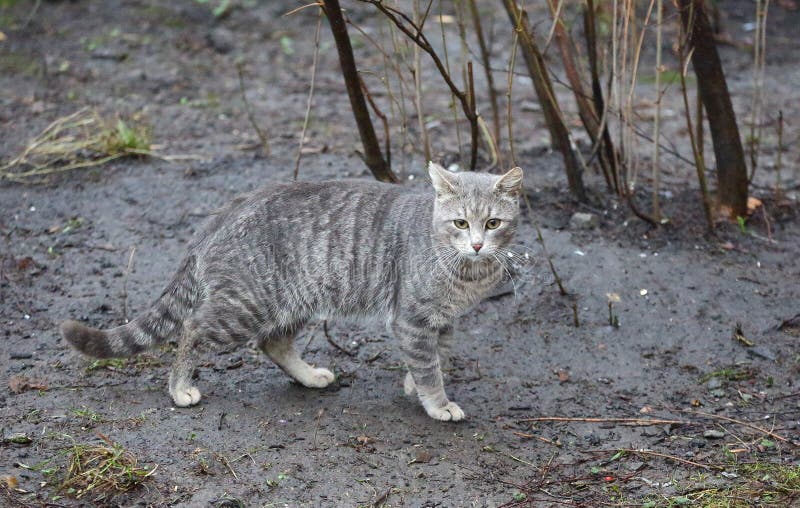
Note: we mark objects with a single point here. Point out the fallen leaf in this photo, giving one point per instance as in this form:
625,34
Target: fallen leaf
11,481
362,440
308,150
422,457
2,36
646,410
753,204
19,384
24,263
19,438
563,376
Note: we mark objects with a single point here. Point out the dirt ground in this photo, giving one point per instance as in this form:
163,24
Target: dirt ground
689,303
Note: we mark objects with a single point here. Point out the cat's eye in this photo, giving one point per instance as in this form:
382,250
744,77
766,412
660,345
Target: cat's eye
492,223
461,224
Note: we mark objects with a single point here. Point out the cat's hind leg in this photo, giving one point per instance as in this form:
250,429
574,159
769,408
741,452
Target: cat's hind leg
281,351
180,377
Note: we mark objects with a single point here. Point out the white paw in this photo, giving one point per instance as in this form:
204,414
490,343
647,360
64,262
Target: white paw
187,396
318,378
450,412
408,385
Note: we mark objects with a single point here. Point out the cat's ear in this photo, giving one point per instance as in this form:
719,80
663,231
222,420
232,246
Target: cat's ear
443,181
510,183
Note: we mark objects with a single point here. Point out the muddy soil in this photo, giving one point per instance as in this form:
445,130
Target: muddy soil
704,330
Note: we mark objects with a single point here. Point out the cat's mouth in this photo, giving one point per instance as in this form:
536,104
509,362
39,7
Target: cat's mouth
477,257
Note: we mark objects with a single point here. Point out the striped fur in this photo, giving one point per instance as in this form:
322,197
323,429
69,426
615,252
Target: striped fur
276,258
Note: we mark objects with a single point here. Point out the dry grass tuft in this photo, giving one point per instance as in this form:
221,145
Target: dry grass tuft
101,470
80,140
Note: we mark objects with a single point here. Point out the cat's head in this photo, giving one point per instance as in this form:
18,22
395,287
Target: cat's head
475,213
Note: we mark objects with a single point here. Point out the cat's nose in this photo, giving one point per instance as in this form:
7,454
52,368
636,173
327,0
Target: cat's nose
477,246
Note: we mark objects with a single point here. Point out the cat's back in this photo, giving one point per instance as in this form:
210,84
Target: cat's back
344,216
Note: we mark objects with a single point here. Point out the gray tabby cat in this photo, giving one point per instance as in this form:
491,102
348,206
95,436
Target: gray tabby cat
276,258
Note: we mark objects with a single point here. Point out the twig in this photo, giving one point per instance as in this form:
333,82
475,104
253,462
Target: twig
792,321
384,121
540,438
575,319
224,460
383,497
660,455
261,135
540,238
510,456
375,356
310,96
316,427
633,422
333,343
737,422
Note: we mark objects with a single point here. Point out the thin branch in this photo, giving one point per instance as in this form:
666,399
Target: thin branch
333,342
485,58
262,136
737,422
635,422
310,95
385,121
414,32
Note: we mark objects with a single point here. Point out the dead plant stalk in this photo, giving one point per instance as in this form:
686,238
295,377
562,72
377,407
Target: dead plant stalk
310,95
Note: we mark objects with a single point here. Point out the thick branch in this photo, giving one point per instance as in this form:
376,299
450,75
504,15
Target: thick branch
728,151
372,151
544,90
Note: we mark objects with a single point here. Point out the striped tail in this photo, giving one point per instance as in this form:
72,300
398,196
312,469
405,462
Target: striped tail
156,325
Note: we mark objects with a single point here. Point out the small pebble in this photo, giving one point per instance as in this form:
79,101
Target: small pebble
582,220
762,352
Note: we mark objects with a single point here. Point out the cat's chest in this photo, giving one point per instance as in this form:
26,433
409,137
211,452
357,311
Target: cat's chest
462,292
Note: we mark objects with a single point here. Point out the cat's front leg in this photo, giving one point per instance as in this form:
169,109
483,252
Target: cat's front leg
419,344
445,358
